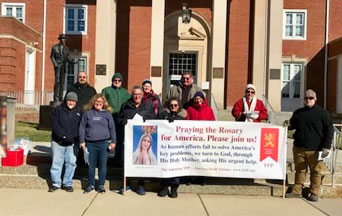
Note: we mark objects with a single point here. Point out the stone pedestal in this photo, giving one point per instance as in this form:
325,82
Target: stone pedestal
45,117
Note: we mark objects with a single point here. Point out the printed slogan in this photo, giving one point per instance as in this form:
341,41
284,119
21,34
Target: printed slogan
203,148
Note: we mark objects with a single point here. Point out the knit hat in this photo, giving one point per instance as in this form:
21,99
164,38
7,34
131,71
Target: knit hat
71,96
61,36
146,81
250,86
116,76
199,94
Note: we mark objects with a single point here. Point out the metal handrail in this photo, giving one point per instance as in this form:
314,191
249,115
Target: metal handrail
336,145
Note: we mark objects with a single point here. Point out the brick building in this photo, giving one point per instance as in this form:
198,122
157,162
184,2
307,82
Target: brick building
279,46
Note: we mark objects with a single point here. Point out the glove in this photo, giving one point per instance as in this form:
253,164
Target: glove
254,115
286,123
325,152
170,120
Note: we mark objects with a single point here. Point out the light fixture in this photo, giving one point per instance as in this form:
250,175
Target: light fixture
186,13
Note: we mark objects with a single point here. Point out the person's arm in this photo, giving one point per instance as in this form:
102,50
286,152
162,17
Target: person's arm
237,110
57,130
262,111
52,57
111,128
82,129
328,130
211,115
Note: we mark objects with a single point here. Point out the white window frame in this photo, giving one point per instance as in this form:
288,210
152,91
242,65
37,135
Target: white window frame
301,91
5,5
294,11
75,7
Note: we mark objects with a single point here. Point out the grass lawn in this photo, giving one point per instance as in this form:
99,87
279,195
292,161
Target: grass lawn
25,129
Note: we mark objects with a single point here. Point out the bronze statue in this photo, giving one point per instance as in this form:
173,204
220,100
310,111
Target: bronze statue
60,57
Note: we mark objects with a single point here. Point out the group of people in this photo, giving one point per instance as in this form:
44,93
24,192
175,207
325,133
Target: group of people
95,123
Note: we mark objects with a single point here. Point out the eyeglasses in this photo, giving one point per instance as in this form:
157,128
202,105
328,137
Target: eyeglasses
173,105
117,80
81,76
309,98
186,78
252,92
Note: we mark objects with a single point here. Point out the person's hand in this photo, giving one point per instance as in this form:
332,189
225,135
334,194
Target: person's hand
82,146
325,152
112,146
286,123
170,120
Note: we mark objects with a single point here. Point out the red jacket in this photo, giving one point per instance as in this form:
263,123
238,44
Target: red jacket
238,110
203,112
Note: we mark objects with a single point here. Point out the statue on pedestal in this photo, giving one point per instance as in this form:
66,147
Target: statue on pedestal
60,57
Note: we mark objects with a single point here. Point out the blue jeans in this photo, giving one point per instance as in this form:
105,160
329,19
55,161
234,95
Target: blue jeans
97,156
63,155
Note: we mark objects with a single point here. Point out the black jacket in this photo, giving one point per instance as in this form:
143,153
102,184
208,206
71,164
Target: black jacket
64,123
84,93
314,128
128,111
171,116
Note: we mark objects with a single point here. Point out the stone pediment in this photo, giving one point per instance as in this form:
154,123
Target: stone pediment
189,34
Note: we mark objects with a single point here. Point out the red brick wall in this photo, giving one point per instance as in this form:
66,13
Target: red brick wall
33,12
313,47
238,34
83,43
133,41
335,20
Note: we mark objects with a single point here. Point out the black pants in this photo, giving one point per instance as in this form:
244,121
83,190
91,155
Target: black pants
59,82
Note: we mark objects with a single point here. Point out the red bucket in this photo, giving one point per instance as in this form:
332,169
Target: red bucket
13,158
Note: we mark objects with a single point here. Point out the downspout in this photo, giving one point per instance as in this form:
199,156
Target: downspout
44,46
326,52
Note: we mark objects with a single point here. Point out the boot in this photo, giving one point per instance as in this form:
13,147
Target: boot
173,193
163,192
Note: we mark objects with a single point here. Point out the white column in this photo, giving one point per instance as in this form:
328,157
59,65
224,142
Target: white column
105,41
157,44
219,29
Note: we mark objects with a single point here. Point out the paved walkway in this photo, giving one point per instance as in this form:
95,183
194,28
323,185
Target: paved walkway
39,202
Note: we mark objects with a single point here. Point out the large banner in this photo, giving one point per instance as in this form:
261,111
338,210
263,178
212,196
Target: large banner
161,149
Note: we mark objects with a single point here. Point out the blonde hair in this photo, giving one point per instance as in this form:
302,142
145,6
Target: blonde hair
91,103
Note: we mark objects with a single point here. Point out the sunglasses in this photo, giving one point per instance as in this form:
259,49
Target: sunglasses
117,80
252,92
186,78
173,105
309,98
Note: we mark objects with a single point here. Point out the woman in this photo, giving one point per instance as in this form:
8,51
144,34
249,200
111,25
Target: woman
143,154
249,108
151,97
65,120
199,110
97,134
171,113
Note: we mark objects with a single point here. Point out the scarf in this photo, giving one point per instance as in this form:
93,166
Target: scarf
249,110
154,100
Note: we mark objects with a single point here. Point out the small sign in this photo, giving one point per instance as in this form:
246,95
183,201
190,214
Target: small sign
101,69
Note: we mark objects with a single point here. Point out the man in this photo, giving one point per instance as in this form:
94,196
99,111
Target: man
314,133
116,95
83,90
60,57
249,108
65,120
185,91
132,107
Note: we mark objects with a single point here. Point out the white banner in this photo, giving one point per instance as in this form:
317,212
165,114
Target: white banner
157,148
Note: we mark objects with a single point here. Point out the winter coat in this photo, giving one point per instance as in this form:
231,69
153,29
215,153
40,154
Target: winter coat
176,91
203,112
64,124
116,97
314,128
238,110
153,99
84,93
171,116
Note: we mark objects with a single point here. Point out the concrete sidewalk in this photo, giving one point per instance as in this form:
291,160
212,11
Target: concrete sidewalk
40,202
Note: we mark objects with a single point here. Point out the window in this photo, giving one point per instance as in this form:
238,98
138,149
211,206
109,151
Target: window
16,10
75,21
291,80
74,69
294,25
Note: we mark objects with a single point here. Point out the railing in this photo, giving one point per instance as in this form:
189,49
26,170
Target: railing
270,110
335,147
30,97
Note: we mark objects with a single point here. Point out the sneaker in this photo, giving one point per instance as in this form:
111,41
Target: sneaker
293,195
173,193
101,189
163,192
53,189
68,189
141,190
128,189
89,189
312,197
